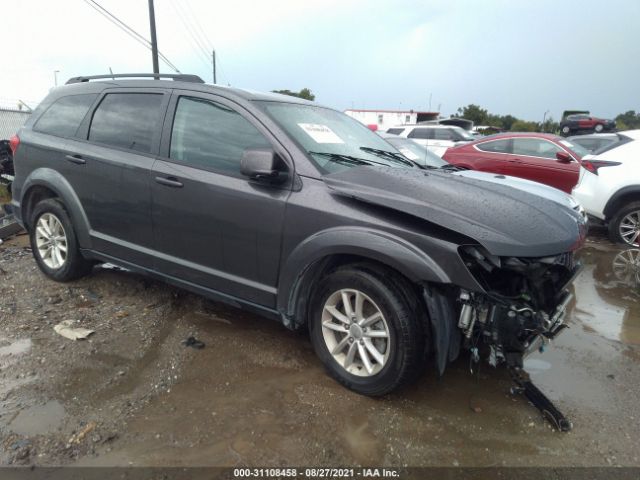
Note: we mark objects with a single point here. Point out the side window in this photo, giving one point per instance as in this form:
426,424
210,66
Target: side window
421,133
395,131
496,146
127,120
535,147
209,135
64,116
443,134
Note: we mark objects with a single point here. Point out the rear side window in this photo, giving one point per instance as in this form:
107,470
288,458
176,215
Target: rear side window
496,146
610,146
443,134
64,116
127,120
212,136
395,131
421,133
535,147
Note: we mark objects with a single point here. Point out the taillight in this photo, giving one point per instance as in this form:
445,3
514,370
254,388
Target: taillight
593,165
14,142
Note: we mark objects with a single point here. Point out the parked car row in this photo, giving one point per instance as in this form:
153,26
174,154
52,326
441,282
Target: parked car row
438,138
600,170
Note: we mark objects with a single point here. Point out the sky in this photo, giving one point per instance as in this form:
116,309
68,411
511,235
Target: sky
517,57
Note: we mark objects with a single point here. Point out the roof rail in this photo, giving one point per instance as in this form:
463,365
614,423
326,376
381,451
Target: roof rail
180,77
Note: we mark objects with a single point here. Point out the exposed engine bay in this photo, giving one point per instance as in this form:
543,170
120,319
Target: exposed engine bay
522,308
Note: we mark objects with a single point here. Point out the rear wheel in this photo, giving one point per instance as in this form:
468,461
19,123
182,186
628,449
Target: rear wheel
566,130
365,331
624,226
54,243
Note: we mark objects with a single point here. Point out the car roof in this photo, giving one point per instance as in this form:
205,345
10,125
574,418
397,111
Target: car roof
548,136
424,125
635,134
97,86
593,135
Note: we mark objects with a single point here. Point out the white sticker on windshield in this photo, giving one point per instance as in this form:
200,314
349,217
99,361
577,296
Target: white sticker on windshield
320,133
409,154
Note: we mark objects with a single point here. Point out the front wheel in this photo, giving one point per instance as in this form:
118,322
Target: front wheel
599,128
365,331
566,130
54,243
624,226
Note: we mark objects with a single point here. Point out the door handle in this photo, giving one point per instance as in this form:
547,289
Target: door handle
169,182
77,159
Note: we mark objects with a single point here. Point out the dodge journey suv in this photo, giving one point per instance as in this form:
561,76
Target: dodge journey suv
298,212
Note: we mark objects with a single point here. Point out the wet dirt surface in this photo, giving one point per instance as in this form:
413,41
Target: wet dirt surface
132,394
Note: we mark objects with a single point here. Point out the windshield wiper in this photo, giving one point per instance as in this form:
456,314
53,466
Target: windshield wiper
453,168
346,159
396,157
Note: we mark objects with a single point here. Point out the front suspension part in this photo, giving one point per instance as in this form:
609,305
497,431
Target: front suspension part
538,399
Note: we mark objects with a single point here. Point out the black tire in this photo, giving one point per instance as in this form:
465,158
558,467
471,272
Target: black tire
566,130
75,265
614,223
406,335
599,128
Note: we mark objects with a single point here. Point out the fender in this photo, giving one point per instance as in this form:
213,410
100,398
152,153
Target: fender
54,181
609,207
364,242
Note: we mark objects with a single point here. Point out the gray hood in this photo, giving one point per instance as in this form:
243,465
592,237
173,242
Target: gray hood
536,188
505,220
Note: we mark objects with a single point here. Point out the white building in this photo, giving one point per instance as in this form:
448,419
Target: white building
383,119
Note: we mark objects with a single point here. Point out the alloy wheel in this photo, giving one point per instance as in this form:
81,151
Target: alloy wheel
626,267
356,332
51,241
629,228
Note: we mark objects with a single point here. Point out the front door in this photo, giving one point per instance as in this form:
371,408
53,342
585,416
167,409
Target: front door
212,226
535,159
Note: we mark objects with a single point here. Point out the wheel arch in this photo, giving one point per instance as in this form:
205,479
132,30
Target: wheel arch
620,198
46,183
332,248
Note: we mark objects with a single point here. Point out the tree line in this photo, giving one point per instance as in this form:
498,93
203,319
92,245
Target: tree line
481,116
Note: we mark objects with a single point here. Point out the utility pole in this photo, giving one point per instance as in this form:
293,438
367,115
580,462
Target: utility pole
154,39
55,77
213,60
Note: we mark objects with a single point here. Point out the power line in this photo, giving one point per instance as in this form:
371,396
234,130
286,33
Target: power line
199,48
196,34
128,30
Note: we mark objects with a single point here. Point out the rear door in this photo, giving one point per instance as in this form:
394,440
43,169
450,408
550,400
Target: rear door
535,159
113,154
212,226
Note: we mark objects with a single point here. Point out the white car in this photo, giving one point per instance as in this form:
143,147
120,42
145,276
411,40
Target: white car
425,158
437,138
609,187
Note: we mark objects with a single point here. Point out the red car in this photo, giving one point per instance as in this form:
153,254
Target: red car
540,157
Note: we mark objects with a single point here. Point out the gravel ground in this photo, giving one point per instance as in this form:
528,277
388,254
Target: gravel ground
133,394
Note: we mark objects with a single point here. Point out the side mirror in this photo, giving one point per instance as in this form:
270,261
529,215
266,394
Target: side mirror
563,157
263,165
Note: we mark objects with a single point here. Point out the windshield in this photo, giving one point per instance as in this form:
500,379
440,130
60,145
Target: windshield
334,141
464,134
574,147
416,152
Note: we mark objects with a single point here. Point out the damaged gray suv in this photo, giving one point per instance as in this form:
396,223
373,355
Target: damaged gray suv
298,212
